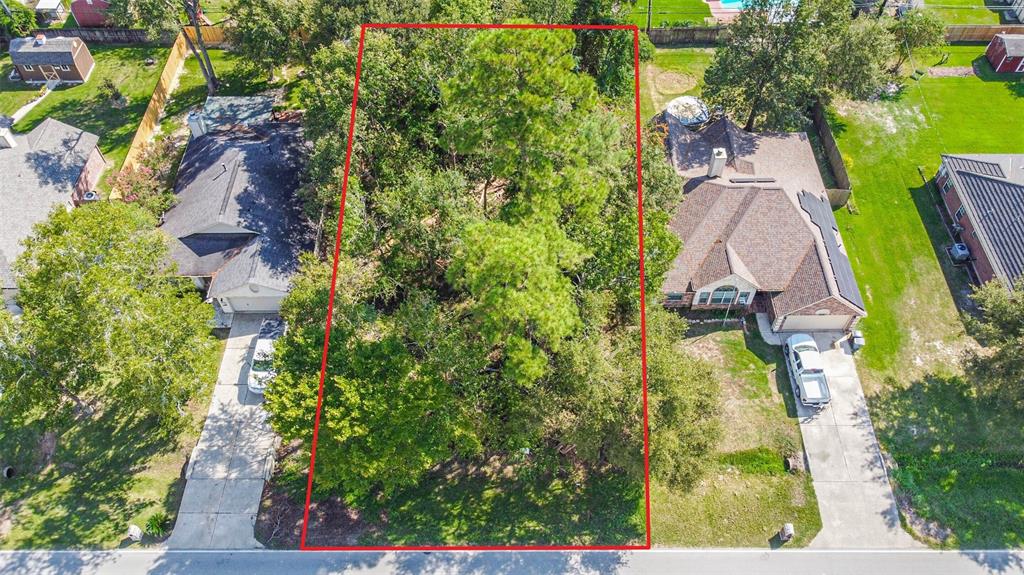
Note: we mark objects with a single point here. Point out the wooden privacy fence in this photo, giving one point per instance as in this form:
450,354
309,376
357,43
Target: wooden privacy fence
686,36
980,33
213,36
98,35
835,157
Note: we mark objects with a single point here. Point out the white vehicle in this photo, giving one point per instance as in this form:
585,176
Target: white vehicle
807,371
261,370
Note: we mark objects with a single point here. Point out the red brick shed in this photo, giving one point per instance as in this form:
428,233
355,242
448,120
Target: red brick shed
1006,53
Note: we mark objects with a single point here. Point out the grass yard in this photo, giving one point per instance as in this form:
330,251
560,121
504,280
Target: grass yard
670,12
13,93
747,494
84,106
674,72
968,11
459,503
952,448
83,486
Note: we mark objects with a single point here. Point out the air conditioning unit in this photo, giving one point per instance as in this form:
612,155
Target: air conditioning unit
90,197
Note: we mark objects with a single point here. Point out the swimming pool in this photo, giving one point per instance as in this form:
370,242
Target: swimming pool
732,4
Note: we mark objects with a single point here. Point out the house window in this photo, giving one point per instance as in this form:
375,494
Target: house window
744,298
675,297
703,298
959,214
942,171
27,68
723,295
946,186
65,68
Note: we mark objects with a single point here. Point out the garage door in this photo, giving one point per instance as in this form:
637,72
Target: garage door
255,304
815,322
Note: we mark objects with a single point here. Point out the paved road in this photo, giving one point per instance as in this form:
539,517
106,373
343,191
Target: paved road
232,459
858,510
657,562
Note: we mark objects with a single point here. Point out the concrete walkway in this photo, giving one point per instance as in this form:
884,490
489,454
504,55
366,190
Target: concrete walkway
233,459
24,110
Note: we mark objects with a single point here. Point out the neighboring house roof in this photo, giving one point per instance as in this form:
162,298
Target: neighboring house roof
759,220
991,187
57,51
237,218
1014,44
90,12
39,173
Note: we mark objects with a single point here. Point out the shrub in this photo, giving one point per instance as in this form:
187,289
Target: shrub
156,525
757,461
21,21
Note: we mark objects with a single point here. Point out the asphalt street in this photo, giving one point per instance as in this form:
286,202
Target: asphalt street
658,562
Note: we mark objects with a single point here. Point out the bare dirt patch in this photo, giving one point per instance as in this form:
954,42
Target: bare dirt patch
673,82
951,71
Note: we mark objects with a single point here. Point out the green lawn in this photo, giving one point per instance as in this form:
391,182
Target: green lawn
674,72
83,106
670,12
747,495
101,475
13,93
950,450
967,11
957,55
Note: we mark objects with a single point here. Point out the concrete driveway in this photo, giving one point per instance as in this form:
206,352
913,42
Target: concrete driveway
233,458
858,510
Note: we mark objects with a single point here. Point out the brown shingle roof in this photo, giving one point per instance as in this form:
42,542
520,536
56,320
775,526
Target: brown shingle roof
751,231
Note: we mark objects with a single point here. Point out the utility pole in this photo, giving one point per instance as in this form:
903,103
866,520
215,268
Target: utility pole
9,15
649,3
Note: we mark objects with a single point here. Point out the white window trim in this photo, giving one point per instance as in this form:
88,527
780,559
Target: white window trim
703,298
27,68
1020,67
65,68
960,213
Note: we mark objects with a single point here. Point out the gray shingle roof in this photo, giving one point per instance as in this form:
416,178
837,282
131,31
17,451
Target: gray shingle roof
991,187
237,217
57,51
224,111
39,173
1014,44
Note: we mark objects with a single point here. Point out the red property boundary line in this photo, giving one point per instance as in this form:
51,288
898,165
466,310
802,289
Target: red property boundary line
334,279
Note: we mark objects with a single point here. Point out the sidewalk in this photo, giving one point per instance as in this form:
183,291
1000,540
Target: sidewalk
233,459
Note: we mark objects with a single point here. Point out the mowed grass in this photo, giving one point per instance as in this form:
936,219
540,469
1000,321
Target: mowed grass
747,494
960,12
951,446
84,106
13,93
674,72
105,473
672,12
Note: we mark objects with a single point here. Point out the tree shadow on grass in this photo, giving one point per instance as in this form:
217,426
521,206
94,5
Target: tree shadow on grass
931,210
959,459
85,497
474,503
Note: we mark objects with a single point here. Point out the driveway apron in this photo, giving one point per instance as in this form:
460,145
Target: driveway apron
858,509
233,458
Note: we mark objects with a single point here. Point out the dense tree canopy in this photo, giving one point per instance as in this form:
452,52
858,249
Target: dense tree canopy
488,289
780,54
102,320
998,371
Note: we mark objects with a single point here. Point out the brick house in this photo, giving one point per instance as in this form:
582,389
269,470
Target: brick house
90,13
39,60
984,197
757,230
1006,53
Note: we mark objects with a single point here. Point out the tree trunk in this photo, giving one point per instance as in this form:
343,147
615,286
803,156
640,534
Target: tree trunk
211,82
192,11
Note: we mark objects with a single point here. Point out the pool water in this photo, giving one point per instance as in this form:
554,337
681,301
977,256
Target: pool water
732,4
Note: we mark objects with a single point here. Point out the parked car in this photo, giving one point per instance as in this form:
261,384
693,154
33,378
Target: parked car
807,371
261,370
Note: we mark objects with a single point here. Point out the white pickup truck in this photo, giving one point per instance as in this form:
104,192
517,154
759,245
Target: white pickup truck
807,371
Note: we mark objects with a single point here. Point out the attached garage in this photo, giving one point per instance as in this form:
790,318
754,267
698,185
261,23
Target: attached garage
810,323
266,304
